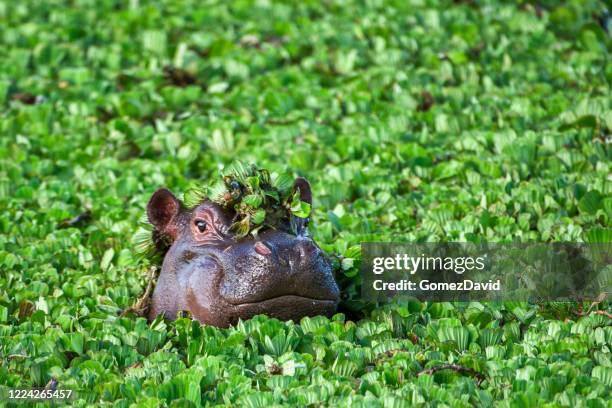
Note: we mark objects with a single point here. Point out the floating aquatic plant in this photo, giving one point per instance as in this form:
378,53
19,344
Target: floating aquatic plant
257,197
142,240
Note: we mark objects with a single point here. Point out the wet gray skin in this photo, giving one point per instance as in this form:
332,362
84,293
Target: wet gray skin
219,279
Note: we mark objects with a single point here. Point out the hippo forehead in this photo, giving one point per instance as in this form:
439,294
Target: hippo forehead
221,219
220,216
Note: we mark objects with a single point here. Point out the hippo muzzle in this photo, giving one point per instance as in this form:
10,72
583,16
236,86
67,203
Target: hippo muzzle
220,279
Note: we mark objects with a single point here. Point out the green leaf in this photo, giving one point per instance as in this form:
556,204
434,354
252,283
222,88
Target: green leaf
107,258
598,235
76,342
259,217
603,374
459,335
252,200
299,208
154,41
590,202
195,195
586,121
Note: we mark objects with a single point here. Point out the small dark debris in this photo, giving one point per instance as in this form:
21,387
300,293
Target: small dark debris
250,40
78,221
602,19
476,50
124,81
70,355
276,40
26,308
253,41
25,97
392,352
444,157
137,364
104,115
128,150
537,9
141,306
152,118
427,101
202,52
179,77
469,3
478,377
275,369
52,384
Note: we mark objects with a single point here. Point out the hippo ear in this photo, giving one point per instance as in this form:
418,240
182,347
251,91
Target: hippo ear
162,211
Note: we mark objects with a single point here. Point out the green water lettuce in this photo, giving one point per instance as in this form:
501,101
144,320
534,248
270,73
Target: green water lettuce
415,120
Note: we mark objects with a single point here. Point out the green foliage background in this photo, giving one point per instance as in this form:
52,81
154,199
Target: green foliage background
414,120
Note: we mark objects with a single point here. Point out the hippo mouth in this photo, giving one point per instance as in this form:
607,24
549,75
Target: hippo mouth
287,307
287,299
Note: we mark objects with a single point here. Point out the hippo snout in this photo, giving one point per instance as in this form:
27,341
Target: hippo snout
279,265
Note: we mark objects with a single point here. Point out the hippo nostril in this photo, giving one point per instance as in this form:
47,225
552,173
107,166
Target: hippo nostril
262,249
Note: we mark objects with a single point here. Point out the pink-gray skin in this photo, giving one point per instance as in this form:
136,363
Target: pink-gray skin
220,279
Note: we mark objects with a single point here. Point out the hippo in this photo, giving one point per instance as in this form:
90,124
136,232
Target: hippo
219,278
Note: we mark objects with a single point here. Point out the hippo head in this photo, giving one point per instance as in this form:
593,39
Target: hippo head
220,278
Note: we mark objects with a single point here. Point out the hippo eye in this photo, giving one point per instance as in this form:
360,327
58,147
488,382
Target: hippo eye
201,225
